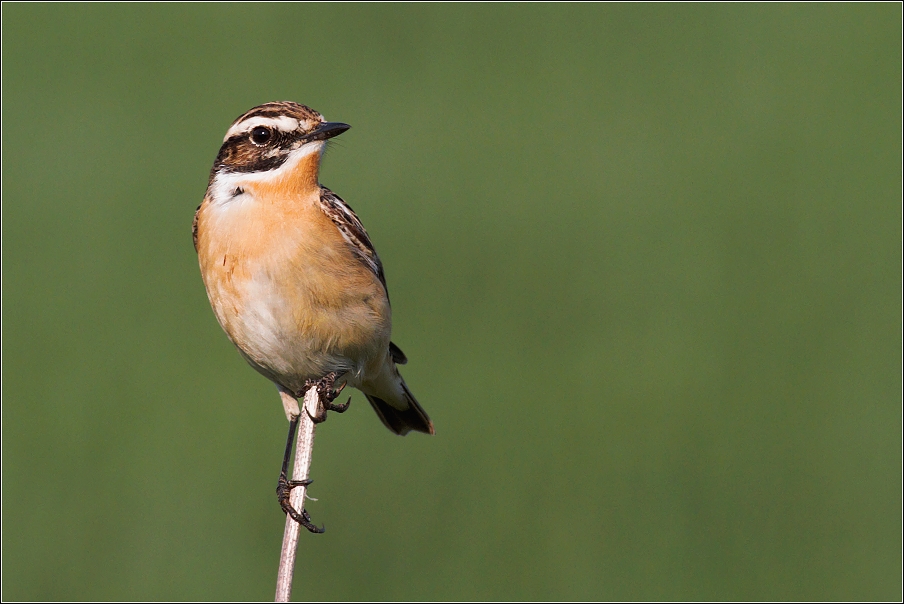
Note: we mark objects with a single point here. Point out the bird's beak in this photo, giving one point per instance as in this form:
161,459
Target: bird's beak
326,130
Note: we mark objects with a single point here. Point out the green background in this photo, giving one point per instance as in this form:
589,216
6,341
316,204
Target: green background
645,261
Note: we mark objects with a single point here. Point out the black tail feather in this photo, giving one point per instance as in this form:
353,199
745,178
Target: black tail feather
402,422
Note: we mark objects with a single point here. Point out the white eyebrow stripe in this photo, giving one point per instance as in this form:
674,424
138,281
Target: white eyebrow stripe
283,123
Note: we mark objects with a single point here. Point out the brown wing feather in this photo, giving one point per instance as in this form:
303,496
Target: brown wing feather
353,231
194,228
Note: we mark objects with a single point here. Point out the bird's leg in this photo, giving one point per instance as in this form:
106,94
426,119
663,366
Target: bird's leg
327,395
284,486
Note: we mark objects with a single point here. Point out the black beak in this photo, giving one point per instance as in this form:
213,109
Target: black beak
325,131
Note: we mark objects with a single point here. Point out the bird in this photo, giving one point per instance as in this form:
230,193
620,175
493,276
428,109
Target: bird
292,276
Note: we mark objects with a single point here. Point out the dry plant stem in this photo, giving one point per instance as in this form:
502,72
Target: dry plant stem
304,447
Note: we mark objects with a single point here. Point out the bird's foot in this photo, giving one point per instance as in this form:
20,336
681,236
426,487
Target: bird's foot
283,489
327,395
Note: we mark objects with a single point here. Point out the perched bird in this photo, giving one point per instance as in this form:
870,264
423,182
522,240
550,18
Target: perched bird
291,274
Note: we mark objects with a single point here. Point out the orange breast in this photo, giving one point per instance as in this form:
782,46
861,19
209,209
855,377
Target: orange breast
286,287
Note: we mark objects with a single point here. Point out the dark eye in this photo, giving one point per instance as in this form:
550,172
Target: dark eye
261,135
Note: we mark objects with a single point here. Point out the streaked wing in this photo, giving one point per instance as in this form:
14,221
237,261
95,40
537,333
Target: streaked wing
353,231
194,228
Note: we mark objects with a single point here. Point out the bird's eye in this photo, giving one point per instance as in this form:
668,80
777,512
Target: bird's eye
260,135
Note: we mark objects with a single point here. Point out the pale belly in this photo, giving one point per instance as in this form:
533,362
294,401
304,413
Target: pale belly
289,337
296,321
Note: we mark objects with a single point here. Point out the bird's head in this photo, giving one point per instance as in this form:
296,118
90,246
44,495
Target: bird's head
271,142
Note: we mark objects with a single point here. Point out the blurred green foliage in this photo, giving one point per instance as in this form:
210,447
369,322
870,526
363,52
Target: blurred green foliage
645,261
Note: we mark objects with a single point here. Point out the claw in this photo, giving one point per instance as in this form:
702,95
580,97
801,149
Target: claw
340,408
325,387
319,418
304,519
327,395
283,490
334,394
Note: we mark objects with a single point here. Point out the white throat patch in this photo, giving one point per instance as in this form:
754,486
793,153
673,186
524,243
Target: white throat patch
225,184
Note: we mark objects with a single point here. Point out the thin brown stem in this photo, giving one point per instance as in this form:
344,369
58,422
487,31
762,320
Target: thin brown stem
304,447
